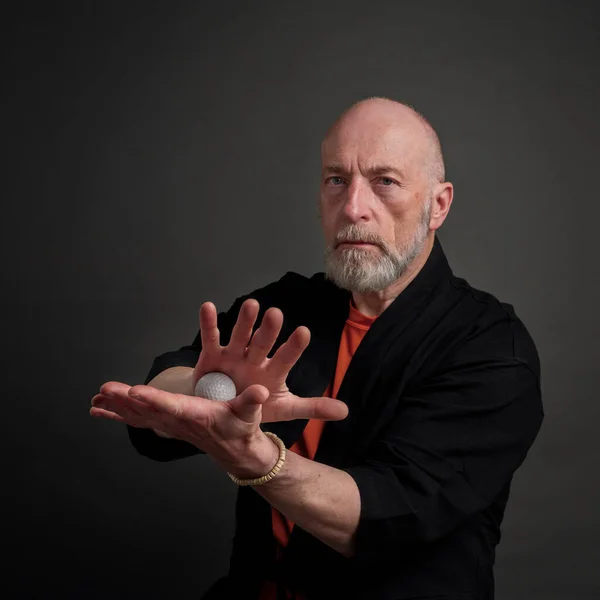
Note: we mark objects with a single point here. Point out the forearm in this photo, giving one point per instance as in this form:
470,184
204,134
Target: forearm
321,499
177,380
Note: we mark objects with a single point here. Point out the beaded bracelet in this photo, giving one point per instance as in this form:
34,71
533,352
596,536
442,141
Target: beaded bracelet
272,472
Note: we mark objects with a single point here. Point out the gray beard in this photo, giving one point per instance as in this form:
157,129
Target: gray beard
357,270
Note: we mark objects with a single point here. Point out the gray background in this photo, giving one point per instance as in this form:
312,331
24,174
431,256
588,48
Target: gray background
165,154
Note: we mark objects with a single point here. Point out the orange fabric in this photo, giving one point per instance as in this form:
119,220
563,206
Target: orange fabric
354,330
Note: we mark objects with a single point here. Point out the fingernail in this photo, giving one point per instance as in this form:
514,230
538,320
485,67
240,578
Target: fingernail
135,396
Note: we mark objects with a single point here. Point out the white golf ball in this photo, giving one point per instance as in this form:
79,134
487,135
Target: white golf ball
215,386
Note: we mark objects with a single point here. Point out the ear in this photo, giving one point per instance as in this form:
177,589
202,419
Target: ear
440,204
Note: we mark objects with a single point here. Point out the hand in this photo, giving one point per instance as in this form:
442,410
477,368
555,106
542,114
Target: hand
227,431
245,360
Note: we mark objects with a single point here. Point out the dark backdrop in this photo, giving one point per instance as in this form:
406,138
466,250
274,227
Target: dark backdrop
158,155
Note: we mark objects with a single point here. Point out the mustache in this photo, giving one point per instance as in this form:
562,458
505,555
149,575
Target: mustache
355,234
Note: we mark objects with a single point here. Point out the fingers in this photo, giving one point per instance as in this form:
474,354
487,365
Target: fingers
107,414
113,400
242,330
288,353
178,406
265,336
247,344
247,406
120,408
326,409
209,332
114,387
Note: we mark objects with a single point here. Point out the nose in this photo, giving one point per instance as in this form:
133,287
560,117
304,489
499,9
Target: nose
357,206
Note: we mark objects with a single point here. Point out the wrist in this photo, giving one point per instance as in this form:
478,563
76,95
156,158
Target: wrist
261,456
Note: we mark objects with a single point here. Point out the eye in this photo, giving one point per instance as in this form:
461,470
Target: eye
335,181
386,181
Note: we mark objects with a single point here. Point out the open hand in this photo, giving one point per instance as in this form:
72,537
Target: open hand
228,431
245,360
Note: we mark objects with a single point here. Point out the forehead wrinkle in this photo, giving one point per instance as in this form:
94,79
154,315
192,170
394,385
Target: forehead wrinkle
378,169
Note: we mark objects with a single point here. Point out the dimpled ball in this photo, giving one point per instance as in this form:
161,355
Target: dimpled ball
215,386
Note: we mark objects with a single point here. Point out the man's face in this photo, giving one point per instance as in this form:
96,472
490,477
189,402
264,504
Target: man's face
375,202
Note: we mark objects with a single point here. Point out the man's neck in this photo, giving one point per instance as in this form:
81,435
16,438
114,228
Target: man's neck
373,304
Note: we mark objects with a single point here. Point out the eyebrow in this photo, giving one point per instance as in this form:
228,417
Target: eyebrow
377,170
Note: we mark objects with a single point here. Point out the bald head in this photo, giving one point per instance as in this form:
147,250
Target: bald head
378,116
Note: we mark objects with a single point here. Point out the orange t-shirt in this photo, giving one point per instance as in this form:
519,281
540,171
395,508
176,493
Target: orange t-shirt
354,330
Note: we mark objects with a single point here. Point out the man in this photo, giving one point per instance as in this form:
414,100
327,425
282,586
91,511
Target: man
406,398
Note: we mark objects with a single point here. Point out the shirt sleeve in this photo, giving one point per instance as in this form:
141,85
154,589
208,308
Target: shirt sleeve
453,445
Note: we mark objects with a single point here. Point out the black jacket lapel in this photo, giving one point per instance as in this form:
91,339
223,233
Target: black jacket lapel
391,339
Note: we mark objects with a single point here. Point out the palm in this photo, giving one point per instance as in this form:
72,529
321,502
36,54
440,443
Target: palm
243,372
245,360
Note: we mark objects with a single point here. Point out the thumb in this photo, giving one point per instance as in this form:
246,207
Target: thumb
248,405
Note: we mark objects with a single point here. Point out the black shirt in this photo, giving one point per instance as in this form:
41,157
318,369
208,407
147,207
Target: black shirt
444,403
